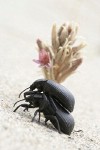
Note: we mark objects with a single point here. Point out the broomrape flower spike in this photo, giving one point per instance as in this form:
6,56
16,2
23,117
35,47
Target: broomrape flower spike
60,59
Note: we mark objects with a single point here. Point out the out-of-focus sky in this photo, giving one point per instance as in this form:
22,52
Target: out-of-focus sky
30,19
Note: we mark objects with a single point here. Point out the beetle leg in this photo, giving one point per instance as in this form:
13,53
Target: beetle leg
54,118
29,106
22,105
23,91
18,101
35,114
39,117
46,121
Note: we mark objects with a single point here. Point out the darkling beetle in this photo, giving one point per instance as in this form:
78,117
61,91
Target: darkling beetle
52,110
57,91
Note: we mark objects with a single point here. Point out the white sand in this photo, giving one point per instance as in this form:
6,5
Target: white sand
21,22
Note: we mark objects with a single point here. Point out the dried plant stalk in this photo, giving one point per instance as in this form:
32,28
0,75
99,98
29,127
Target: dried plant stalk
64,54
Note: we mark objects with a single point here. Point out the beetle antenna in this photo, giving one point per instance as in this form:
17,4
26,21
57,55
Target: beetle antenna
18,101
23,91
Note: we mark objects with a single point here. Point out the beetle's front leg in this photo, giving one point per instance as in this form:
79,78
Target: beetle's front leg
22,105
26,106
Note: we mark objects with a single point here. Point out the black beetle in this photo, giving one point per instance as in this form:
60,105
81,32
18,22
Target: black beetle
52,110
55,90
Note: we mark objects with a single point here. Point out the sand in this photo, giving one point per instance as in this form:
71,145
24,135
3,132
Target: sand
21,22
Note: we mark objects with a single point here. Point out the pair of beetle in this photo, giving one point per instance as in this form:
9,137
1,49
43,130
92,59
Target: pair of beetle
53,100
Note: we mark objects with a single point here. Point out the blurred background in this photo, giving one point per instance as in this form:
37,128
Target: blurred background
26,20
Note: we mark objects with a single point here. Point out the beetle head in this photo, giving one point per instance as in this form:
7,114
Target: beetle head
34,99
39,84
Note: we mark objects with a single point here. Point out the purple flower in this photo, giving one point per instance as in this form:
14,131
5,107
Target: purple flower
44,59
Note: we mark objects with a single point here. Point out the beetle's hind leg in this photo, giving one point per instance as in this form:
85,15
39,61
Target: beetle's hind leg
54,120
